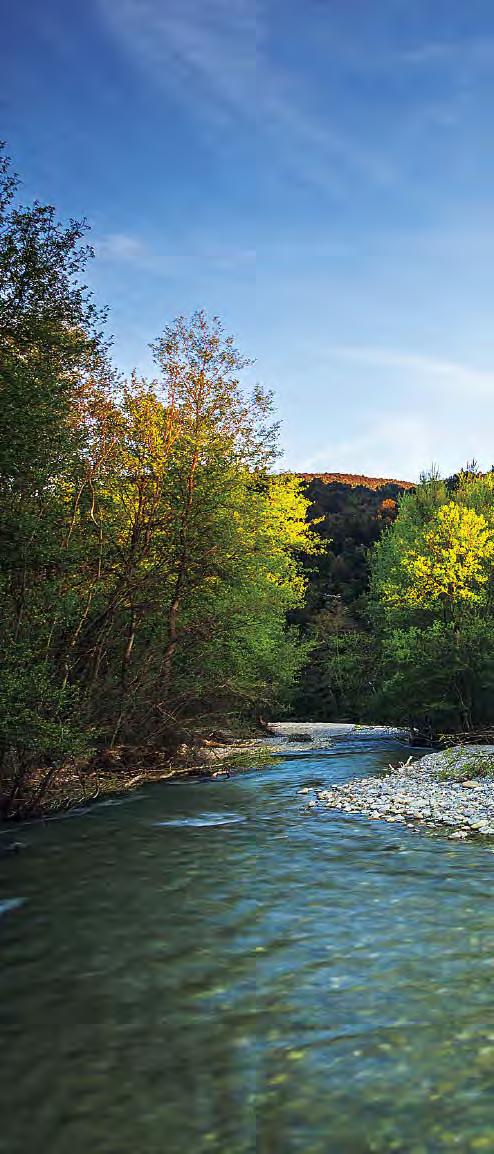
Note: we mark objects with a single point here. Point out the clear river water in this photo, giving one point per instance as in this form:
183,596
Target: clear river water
213,967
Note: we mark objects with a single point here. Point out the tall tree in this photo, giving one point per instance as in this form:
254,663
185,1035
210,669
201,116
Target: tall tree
49,344
149,555
221,433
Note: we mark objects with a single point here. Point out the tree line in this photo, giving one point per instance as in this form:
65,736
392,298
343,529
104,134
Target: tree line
403,630
148,551
158,576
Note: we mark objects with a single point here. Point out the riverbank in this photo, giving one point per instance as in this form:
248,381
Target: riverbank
118,771
452,790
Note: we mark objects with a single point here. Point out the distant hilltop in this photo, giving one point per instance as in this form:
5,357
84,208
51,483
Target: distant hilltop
354,480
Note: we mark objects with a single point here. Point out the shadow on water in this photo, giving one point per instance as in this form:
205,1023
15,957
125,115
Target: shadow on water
211,967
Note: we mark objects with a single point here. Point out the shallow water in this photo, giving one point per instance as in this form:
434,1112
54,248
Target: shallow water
213,967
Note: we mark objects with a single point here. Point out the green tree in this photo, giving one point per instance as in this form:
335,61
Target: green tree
206,542
149,555
338,680
49,343
432,606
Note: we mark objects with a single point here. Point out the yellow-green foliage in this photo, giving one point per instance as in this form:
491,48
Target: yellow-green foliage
149,556
440,550
432,606
452,561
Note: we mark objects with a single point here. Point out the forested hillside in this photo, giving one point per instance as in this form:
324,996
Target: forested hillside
348,512
356,480
400,605
431,607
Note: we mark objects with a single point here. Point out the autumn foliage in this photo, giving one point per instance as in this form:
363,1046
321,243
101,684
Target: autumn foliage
355,480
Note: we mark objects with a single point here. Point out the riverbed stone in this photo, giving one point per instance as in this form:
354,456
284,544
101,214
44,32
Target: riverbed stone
422,792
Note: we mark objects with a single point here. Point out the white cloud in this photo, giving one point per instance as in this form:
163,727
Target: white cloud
199,255
402,412
119,246
398,446
468,51
189,44
403,445
445,373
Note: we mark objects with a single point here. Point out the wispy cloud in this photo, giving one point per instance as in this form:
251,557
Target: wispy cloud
410,409
189,44
120,246
202,56
198,255
383,441
398,445
468,51
449,373
215,58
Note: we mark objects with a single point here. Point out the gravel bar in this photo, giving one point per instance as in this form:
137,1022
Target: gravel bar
452,790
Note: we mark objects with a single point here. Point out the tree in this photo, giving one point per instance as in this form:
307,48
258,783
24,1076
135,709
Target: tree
149,555
348,515
209,547
451,562
431,605
49,342
338,680
220,433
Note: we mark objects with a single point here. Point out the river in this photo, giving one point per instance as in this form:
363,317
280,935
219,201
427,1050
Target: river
213,967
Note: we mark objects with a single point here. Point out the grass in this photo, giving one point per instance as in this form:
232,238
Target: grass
248,759
465,768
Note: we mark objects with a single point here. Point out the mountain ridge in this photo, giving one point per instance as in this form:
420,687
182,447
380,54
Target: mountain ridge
355,480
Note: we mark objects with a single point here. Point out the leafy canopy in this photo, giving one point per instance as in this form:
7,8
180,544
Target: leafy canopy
451,561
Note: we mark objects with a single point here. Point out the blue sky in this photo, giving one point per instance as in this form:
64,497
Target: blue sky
320,173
